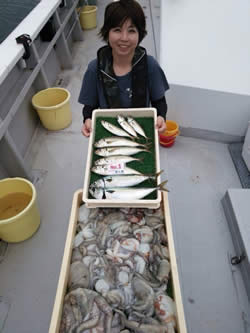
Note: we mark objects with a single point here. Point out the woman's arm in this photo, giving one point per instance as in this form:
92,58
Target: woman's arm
89,96
87,115
87,127
161,107
87,112
158,85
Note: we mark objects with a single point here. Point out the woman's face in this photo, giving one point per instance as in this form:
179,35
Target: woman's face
123,40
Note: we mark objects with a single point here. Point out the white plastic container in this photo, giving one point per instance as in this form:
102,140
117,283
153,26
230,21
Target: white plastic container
112,113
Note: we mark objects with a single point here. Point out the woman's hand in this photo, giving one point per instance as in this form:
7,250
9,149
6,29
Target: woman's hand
161,124
86,127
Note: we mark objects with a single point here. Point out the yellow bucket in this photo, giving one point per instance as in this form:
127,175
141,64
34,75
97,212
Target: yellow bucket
19,214
88,17
53,108
172,128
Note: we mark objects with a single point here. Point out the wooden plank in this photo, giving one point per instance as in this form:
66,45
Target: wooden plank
181,322
64,273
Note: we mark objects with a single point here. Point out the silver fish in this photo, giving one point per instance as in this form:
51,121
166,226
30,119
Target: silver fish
123,193
115,141
111,151
114,129
105,170
125,125
136,127
123,181
115,159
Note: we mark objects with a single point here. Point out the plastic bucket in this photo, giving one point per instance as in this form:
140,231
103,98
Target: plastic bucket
19,214
167,138
53,108
172,127
88,17
167,144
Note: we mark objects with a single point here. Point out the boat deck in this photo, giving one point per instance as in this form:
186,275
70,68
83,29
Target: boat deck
199,173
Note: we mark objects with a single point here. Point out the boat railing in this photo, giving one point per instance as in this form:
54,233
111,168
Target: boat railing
19,76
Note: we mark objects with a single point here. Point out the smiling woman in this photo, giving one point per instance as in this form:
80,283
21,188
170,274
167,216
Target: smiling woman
123,41
123,75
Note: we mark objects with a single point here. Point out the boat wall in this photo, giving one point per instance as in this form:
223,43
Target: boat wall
204,50
209,114
20,79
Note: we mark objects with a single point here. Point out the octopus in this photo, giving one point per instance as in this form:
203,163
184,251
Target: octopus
119,274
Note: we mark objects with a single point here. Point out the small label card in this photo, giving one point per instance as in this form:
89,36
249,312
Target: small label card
116,168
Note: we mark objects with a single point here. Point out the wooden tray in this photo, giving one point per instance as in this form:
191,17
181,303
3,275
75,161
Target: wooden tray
64,273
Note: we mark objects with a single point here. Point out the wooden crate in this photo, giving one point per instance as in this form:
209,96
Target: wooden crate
143,203
64,273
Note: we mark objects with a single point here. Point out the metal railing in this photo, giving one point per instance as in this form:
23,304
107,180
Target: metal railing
34,66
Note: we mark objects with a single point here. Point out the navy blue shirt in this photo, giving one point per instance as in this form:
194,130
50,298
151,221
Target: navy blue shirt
92,92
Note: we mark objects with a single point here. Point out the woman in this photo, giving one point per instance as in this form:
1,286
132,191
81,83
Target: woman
123,75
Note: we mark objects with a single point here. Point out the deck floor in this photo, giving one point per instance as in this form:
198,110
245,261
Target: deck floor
199,174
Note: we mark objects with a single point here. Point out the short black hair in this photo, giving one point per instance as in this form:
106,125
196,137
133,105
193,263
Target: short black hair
117,12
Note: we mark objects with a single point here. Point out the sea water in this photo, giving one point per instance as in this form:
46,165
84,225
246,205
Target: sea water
12,12
12,204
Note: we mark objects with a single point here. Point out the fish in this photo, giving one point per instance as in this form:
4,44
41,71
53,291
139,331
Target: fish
124,193
125,125
114,129
136,127
108,170
111,151
115,141
123,181
116,159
